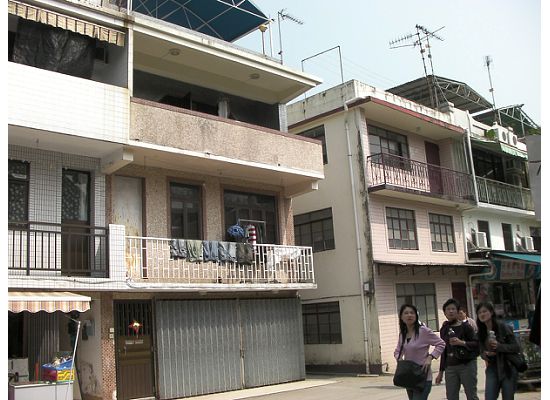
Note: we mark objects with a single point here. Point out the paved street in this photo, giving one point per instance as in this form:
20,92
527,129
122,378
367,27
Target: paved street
349,388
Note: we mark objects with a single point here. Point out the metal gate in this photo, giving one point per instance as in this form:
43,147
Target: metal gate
272,341
209,346
134,355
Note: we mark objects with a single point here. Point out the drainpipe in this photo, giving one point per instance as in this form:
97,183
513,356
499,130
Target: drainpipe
471,157
357,239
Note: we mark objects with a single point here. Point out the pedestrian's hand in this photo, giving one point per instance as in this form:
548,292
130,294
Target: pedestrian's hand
493,345
439,378
427,363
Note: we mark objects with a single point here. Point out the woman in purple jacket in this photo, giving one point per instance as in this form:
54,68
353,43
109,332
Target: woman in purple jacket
414,344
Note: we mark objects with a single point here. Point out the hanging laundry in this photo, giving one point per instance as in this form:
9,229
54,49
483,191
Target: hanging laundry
178,249
194,250
210,250
245,253
227,252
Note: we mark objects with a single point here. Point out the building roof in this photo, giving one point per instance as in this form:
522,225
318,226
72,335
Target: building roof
228,20
460,94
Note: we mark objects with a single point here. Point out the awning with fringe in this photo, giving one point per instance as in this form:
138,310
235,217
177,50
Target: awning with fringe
47,301
72,24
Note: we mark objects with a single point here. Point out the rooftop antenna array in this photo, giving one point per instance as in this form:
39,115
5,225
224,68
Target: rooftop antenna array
281,16
488,62
422,39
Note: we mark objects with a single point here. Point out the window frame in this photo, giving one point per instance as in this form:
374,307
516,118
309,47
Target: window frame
185,234
486,231
390,230
408,298
307,221
25,183
333,322
449,228
508,241
318,133
400,141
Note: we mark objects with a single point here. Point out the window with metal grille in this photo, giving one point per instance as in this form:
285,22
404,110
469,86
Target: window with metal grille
318,133
315,229
18,191
322,323
185,211
421,295
442,233
401,226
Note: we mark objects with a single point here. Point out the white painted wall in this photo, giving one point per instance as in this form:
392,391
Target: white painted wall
534,152
55,102
520,225
88,354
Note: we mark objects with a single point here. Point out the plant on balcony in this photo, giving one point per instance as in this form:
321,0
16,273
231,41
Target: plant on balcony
491,134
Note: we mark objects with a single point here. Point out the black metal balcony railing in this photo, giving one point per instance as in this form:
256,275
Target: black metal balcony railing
504,194
410,175
41,248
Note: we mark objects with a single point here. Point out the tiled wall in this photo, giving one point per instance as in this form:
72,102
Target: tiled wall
62,103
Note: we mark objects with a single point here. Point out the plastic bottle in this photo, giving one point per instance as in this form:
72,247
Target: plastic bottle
491,335
451,334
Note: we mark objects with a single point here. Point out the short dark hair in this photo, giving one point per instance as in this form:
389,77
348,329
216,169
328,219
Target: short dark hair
451,301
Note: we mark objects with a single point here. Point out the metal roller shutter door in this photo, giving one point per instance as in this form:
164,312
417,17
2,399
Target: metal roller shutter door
198,346
272,341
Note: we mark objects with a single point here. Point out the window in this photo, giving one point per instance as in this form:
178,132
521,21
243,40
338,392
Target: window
315,229
534,232
18,191
483,226
318,133
322,323
442,233
422,295
488,165
384,141
401,229
508,237
185,211
251,207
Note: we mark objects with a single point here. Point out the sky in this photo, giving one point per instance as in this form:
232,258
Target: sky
509,31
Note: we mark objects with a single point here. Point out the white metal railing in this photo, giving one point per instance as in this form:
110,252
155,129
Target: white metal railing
150,259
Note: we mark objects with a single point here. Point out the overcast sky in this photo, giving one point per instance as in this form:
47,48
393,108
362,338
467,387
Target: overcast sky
507,30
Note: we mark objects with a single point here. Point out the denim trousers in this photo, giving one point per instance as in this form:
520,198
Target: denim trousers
465,375
493,385
423,395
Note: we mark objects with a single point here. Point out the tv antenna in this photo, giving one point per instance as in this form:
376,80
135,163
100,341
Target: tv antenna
488,62
422,39
281,16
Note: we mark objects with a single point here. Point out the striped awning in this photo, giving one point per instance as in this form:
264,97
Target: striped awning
72,24
47,301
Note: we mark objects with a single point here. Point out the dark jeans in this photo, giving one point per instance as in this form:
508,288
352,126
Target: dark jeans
423,395
465,375
493,386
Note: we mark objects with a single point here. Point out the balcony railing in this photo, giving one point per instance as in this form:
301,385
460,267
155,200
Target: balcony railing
150,259
504,194
46,249
406,174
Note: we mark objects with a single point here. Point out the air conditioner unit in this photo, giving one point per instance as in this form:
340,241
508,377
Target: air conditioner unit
527,243
513,139
481,240
503,135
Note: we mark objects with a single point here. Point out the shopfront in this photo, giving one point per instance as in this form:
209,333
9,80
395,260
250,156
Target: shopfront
43,327
512,282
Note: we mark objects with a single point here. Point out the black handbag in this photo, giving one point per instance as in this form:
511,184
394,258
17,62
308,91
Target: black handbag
518,361
408,374
465,354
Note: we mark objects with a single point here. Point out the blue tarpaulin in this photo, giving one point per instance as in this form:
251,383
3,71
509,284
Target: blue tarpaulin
529,258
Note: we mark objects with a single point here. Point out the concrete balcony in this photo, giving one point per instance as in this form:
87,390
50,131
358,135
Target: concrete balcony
156,262
504,194
405,178
175,138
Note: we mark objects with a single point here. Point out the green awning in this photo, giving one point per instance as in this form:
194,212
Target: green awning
530,258
513,151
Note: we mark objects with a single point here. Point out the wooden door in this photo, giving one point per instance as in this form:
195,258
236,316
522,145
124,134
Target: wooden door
434,169
459,293
133,346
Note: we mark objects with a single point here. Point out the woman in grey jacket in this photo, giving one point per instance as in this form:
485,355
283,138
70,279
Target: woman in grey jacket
500,375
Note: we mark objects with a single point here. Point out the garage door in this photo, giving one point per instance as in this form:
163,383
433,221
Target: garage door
209,346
